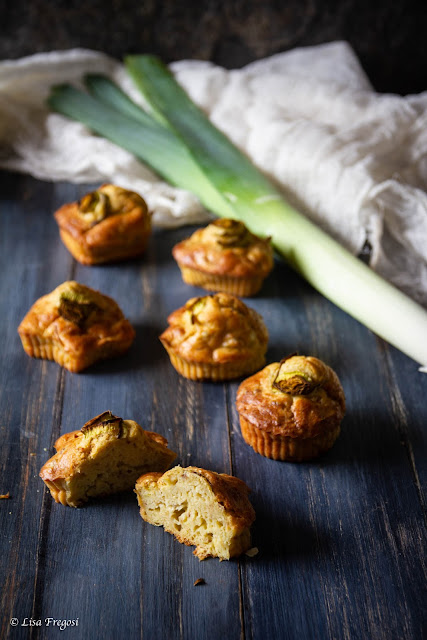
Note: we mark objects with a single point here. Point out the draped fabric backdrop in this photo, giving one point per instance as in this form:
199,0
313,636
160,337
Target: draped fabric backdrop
351,159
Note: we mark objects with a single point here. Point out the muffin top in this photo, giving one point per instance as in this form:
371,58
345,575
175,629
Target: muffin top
299,397
94,438
74,448
77,316
99,212
226,247
215,329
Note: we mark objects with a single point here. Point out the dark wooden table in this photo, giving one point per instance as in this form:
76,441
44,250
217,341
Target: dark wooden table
341,540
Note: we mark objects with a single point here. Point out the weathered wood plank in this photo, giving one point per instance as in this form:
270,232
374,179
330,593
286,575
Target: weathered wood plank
341,539
30,390
407,391
111,548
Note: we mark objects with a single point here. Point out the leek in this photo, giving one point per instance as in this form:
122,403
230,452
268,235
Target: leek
330,268
104,90
121,121
178,141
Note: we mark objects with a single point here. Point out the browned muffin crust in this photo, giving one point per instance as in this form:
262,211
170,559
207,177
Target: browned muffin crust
105,456
299,399
200,507
218,331
105,225
225,254
75,326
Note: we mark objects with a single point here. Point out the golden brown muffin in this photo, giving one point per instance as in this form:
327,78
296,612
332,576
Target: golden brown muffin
106,225
216,337
225,256
203,508
291,410
106,456
75,326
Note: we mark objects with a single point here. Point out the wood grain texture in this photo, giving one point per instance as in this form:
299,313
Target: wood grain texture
341,540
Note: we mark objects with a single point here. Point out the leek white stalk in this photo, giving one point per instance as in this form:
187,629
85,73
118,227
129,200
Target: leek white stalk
330,268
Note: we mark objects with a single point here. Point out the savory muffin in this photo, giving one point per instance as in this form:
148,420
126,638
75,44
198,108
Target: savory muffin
216,337
291,410
105,225
75,326
203,508
105,456
225,256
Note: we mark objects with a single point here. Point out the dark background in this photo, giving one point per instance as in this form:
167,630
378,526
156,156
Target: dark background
388,37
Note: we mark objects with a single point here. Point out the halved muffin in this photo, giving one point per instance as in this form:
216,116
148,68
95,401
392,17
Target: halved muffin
225,256
105,456
291,410
75,326
215,337
199,507
105,225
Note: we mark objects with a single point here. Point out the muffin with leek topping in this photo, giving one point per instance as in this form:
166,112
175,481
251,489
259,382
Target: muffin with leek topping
106,225
291,410
199,507
215,337
107,455
225,256
75,326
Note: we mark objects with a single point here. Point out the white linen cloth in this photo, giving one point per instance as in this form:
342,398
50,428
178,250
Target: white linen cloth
352,160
